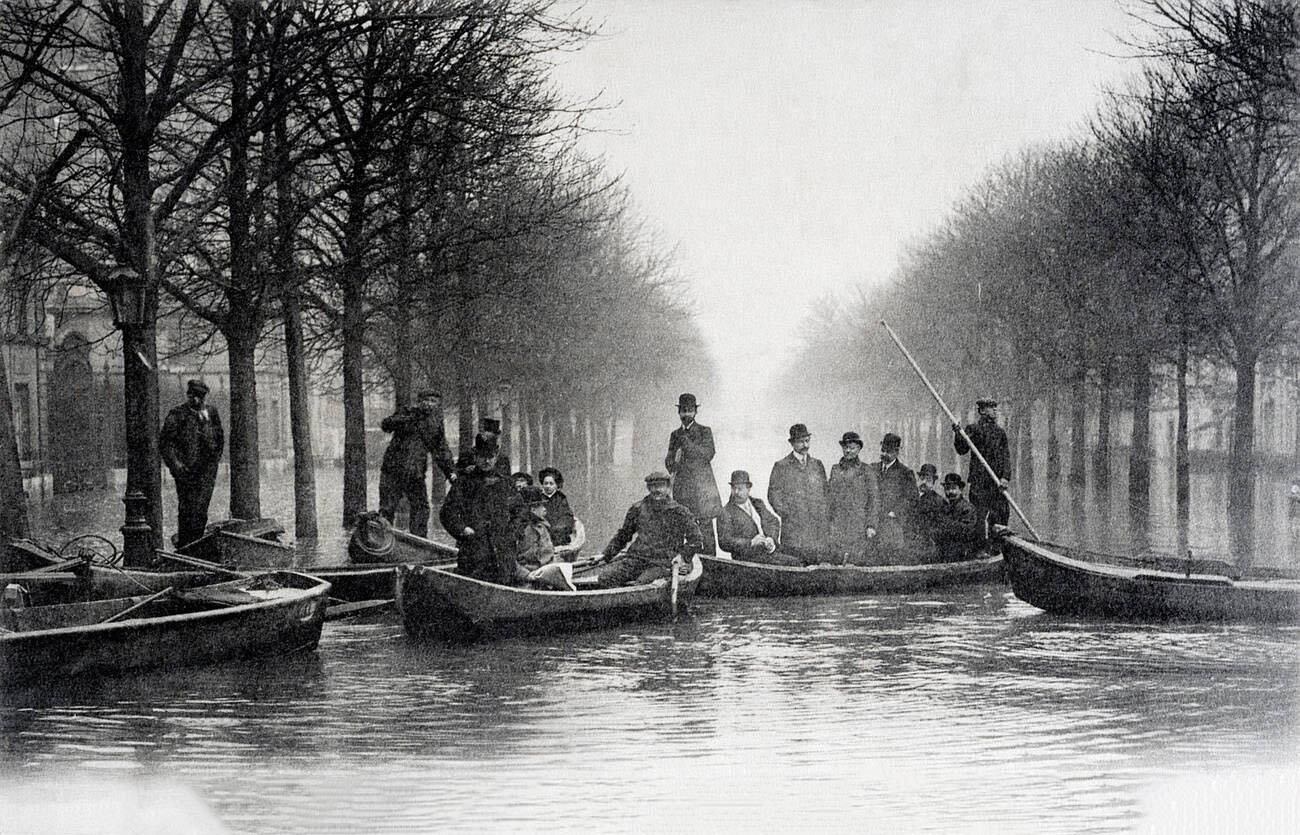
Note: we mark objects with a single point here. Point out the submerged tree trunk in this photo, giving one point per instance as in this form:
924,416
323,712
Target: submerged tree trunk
1053,443
1182,464
1025,474
1139,458
1078,428
13,499
304,459
1241,474
245,489
1102,456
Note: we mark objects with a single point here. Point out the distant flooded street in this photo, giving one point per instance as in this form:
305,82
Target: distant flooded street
929,711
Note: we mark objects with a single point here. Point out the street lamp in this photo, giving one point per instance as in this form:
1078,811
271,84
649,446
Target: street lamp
127,296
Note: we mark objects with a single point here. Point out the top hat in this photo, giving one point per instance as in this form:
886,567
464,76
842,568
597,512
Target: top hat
851,438
483,445
986,401
954,478
197,387
928,470
429,394
489,425
687,401
798,431
891,441
740,477
658,475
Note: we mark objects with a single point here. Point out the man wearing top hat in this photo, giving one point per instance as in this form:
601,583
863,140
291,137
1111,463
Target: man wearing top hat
480,514
897,497
747,529
986,492
489,429
854,499
797,492
417,433
190,445
658,534
690,453
957,531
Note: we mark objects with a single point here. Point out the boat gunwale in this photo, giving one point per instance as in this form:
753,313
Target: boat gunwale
697,571
917,568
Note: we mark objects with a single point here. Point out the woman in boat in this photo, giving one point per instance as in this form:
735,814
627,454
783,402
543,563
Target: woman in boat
535,557
558,512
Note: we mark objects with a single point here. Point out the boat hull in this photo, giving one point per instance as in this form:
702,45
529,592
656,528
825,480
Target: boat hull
438,602
1068,584
725,577
286,624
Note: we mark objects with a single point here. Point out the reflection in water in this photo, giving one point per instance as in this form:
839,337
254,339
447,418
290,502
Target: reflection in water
949,710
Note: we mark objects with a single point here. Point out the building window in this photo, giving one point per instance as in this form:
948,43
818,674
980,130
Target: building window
23,420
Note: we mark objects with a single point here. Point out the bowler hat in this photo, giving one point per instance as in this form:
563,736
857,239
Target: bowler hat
798,431
928,470
483,445
851,438
891,441
954,478
658,475
740,477
986,401
532,496
197,387
687,401
489,425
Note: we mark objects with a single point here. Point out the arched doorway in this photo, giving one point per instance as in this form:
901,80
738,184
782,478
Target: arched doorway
76,420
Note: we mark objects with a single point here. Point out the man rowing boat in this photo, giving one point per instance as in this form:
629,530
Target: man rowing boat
657,532
986,492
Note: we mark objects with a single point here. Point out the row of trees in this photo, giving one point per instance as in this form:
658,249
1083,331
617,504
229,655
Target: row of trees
1169,236
390,190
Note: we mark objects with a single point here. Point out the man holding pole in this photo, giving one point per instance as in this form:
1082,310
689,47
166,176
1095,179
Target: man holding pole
987,494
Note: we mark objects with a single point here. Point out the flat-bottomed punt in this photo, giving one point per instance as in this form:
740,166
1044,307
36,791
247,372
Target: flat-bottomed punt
1072,581
725,577
270,614
437,601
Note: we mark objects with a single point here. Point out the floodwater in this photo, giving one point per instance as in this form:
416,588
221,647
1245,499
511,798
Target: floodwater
962,710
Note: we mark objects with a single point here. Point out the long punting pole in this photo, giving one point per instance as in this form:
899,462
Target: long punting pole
953,418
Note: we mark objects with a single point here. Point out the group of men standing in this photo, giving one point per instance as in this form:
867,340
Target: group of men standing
858,513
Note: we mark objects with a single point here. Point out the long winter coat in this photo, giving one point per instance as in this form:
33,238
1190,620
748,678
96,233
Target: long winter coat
485,502
189,443
958,531
854,501
991,441
690,453
797,492
417,433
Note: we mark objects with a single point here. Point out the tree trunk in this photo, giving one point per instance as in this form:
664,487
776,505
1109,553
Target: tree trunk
304,459
13,499
354,331
1026,457
1241,473
465,417
1102,463
1182,464
1053,443
245,486
1078,428
402,363
1139,457
507,445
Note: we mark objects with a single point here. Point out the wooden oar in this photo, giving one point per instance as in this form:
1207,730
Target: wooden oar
195,562
356,607
675,582
61,565
151,598
953,418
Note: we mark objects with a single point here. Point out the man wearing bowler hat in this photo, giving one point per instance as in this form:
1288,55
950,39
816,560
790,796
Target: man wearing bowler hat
417,433
690,453
957,531
659,535
747,529
797,492
987,493
929,503
854,500
190,445
897,497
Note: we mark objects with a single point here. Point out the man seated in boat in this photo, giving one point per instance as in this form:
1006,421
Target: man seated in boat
958,531
535,554
929,504
479,513
747,529
558,512
521,480
657,534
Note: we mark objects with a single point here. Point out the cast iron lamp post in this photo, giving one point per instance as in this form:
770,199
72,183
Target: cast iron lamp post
127,295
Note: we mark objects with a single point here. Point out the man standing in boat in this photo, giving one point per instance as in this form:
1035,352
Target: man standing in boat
479,513
987,494
658,533
796,490
490,430
417,433
897,497
689,462
854,500
190,445
957,532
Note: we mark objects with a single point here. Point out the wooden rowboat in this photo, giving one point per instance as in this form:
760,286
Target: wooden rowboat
725,577
1076,582
275,613
438,601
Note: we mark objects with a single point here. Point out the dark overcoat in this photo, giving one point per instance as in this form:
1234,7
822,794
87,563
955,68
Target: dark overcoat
897,491
736,528
656,532
689,462
854,500
188,443
958,530
991,441
485,502
417,433
559,515
797,492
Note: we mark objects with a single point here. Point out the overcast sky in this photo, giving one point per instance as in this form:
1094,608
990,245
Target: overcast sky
791,150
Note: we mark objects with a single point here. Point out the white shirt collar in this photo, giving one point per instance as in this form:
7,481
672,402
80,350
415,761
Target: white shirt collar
802,458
